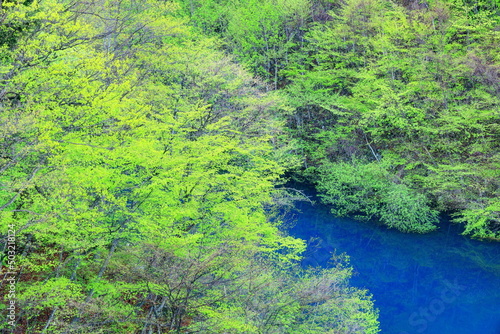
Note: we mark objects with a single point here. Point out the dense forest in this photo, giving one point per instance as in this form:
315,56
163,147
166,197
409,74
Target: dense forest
392,105
146,147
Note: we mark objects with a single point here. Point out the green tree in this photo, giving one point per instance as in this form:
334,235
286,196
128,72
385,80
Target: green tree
414,90
137,166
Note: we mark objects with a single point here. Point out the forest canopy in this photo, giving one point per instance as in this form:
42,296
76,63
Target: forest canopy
394,104
145,148
141,171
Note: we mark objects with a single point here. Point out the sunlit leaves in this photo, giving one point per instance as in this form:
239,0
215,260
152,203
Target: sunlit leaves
367,191
381,81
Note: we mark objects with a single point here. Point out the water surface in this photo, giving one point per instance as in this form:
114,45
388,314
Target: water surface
437,283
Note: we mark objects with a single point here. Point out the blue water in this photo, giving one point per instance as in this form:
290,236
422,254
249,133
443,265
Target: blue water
438,283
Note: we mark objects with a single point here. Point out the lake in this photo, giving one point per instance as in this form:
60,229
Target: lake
437,283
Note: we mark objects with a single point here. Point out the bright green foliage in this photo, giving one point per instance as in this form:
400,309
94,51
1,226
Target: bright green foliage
137,163
415,89
261,33
366,191
412,84
481,221
407,210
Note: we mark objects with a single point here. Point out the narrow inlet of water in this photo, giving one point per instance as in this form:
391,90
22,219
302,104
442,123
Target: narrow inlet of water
437,283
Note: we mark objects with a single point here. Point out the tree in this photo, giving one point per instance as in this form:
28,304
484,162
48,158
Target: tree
137,168
262,34
414,90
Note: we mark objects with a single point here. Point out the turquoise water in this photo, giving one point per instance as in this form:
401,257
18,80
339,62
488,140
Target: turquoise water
438,283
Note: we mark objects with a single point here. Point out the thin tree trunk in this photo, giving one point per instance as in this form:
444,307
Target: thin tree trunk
99,275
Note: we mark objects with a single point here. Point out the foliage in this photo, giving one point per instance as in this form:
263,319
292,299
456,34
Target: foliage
366,191
138,165
261,33
415,89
